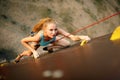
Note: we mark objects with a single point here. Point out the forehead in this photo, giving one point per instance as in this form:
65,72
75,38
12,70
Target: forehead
51,26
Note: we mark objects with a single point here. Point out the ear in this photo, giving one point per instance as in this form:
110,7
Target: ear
44,31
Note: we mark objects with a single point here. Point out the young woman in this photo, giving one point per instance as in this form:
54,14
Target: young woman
46,33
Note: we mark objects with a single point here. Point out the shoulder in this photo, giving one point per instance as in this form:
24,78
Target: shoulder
39,34
33,34
60,30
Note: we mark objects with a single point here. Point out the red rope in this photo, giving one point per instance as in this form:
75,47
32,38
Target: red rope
91,25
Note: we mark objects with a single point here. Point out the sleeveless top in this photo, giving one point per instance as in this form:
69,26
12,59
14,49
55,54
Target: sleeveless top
42,41
45,43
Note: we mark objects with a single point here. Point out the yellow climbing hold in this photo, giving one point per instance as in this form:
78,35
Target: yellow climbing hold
116,34
83,42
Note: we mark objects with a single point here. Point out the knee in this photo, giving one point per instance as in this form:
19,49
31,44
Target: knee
22,41
66,43
27,53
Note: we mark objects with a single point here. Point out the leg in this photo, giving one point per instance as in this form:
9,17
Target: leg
62,42
26,52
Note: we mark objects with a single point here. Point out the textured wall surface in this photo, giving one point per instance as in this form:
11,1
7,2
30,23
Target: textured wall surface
17,17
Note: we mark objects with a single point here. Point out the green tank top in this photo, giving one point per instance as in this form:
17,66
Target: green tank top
45,43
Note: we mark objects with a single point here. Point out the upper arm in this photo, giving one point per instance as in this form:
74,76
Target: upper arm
64,33
35,38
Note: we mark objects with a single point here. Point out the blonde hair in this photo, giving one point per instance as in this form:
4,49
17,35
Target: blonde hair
42,23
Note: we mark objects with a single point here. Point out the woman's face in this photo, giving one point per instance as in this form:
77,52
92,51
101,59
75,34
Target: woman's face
51,30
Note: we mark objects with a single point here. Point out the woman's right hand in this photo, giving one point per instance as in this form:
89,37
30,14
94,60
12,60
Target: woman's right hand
35,54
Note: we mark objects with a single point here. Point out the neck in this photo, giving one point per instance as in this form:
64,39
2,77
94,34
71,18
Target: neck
46,37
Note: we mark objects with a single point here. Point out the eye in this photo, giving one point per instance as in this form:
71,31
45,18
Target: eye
55,29
51,29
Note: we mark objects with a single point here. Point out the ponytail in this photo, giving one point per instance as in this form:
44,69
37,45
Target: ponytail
40,24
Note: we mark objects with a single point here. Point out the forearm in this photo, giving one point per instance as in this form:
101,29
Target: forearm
26,40
79,37
73,37
83,37
27,45
64,33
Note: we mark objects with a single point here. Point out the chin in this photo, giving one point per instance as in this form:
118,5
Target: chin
51,36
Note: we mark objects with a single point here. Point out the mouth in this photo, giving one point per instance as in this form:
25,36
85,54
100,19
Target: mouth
53,36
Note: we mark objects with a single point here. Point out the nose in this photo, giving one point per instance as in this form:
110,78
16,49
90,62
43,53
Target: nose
54,32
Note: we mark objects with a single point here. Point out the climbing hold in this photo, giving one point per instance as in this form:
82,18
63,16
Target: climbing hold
83,42
116,34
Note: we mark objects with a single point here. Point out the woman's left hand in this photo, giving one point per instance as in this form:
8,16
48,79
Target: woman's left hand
87,38
76,37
